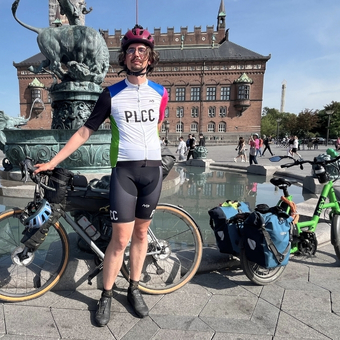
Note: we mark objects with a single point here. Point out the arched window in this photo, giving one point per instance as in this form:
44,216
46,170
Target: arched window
180,112
223,111
212,112
222,127
194,127
211,127
194,112
179,127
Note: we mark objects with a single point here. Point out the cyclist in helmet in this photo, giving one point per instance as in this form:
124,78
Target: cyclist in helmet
135,107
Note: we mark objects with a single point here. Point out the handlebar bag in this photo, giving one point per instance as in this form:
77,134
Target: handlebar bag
59,180
226,221
266,237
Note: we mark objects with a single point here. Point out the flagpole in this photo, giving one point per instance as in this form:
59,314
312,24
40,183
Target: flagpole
136,11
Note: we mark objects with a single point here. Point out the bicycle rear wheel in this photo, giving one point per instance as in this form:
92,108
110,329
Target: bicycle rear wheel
34,276
257,274
174,255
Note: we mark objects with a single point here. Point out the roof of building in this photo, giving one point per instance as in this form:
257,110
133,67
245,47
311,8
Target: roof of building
224,52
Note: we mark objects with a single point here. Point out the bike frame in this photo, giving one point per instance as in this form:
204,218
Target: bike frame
333,204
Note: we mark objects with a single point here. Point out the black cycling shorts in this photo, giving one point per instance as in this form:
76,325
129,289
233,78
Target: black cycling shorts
134,191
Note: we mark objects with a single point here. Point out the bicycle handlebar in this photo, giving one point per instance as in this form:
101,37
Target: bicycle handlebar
27,168
301,162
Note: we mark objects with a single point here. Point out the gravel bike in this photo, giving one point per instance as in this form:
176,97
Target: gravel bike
173,257
303,238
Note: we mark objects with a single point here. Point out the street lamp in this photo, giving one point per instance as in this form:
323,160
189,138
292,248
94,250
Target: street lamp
166,125
277,130
329,113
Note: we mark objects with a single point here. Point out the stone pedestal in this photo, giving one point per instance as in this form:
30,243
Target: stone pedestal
72,103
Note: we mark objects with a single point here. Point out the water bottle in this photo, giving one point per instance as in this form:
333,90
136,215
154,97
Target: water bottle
89,229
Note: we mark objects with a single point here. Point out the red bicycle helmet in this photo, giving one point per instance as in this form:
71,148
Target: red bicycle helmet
137,35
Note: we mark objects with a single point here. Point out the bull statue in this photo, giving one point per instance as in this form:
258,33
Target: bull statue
73,12
80,48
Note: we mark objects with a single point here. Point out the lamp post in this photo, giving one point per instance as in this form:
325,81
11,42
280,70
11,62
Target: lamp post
277,129
167,125
329,113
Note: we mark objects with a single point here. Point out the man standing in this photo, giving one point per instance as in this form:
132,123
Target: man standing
181,149
191,146
267,141
135,107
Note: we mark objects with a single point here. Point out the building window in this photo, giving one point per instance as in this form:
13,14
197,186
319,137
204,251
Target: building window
179,127
243,92
180,112
225,93
166,113
223,111
220,190
212,112
169,92
193,127
211,127
211,93
195,94
194,112
35,93
222,127
180,94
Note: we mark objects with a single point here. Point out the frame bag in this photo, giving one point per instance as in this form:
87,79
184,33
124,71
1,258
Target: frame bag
266,237
226,221
59,180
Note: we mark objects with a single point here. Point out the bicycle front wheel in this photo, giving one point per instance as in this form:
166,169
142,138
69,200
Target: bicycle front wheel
174,251
34,276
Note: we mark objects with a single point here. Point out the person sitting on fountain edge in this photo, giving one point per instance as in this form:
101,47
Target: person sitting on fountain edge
135,107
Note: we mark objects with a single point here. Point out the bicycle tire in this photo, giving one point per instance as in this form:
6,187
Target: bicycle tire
182,240
41,271
335,234
259,275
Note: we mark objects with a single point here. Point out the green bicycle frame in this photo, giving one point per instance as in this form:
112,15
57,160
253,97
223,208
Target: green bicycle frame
333,204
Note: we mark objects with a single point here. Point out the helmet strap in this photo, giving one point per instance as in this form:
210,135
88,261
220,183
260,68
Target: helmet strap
136,74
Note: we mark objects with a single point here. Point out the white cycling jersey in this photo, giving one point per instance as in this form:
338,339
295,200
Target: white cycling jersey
134,112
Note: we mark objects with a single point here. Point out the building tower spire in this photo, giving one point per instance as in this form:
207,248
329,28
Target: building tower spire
221,17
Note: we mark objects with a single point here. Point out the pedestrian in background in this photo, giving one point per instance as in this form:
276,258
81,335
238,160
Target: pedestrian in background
254,145
191,146
266,142
240,150
181,149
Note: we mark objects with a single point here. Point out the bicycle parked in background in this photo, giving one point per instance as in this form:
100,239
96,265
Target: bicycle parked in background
174,244
304,241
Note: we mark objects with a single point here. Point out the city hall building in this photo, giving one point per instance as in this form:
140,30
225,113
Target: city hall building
215,86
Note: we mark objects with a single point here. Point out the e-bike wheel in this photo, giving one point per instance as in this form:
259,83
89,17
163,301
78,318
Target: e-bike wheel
30,278
174,251
335,234
257,274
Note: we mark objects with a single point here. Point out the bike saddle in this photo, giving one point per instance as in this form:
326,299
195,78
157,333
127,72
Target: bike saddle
278,181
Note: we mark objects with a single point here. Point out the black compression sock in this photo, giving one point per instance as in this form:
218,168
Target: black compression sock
107,293
133,284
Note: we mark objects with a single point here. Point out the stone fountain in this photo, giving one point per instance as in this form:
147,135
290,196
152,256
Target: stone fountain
78,59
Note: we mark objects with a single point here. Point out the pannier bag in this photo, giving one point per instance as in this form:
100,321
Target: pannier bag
266,237
226,221
59,180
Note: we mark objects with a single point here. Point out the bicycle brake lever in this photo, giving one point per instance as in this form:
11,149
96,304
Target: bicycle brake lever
301,167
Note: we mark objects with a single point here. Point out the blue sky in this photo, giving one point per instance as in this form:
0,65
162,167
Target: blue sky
302,36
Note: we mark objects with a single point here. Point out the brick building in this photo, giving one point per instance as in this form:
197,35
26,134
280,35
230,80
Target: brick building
215,86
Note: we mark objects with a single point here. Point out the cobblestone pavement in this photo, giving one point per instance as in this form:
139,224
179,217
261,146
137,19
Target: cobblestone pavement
217,304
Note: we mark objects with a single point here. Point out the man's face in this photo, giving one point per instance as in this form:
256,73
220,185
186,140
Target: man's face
137,57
